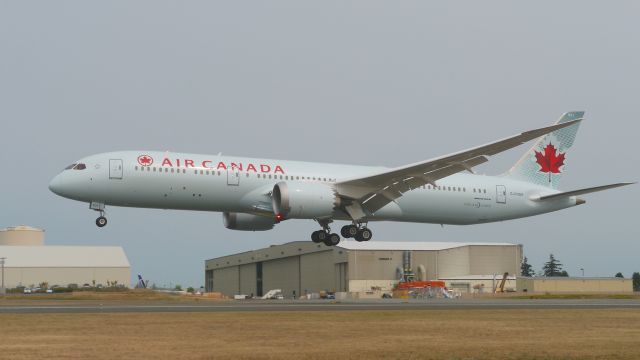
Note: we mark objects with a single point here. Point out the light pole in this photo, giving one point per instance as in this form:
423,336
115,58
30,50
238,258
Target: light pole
2,290
581,269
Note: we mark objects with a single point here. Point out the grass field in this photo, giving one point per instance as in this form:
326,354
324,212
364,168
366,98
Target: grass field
405,334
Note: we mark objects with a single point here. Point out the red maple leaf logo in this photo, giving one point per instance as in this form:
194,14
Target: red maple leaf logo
550,161
145,160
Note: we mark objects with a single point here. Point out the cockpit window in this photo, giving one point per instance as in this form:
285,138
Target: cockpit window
70,166
80,166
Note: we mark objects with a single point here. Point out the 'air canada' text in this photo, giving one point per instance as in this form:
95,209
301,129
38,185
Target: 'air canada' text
208,164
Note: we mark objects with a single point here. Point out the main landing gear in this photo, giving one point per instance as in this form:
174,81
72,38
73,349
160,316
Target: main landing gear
359,232
325,235
322,236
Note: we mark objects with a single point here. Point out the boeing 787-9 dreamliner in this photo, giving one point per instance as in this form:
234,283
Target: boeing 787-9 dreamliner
255,194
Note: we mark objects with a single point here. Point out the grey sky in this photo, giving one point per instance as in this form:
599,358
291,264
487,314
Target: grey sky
375,83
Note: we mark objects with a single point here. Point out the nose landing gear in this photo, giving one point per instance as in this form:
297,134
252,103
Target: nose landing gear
101,221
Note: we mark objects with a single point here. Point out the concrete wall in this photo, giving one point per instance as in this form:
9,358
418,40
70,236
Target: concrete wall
453,262
28,277
484,285
374,265
485,260
575,285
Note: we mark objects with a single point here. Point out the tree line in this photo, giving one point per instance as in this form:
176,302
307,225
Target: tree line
553,267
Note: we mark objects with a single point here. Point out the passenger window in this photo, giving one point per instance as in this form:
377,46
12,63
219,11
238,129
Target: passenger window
172,170
154,169
136,167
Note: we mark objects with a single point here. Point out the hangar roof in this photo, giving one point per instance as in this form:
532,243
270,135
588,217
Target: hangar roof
64,256
411,245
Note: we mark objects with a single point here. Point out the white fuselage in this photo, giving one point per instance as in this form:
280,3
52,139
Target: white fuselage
232,184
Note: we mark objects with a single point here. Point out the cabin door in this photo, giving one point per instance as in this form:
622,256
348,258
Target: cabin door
233,176
501,194
115,169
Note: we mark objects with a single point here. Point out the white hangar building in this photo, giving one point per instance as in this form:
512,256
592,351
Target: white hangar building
28,262
305,267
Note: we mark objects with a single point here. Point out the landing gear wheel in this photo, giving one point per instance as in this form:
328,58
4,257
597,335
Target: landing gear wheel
364,234
315,236
349,231
334,239
101,221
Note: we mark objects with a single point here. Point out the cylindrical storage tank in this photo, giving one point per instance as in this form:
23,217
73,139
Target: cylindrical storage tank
22,236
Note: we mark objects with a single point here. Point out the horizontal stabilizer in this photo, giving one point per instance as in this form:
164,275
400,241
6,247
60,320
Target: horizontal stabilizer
579,192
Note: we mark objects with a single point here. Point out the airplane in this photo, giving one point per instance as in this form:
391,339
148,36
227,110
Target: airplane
256,194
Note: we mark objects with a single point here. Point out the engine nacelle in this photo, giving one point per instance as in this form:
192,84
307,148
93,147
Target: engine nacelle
304,200
247,222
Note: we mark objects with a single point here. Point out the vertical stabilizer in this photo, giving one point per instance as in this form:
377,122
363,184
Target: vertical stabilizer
545,162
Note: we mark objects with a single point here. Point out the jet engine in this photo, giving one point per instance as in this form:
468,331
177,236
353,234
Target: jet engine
247,222
304,200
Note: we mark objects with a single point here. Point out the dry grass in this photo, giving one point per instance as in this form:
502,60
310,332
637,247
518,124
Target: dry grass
125,295
430,334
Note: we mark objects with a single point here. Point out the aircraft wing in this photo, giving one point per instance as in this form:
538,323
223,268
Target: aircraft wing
374,191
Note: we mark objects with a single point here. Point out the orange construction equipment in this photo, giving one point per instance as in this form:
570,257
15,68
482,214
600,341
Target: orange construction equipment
420,284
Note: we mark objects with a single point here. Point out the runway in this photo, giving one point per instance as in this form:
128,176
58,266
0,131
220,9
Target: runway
90,306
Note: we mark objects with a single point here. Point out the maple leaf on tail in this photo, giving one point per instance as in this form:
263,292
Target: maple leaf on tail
551,161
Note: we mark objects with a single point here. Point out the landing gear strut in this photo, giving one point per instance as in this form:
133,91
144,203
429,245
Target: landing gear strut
358,232
325,236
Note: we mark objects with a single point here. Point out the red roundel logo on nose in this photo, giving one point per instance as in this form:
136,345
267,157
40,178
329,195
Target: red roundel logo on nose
145,160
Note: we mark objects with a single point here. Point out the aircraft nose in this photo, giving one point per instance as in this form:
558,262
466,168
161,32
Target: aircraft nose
56,185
